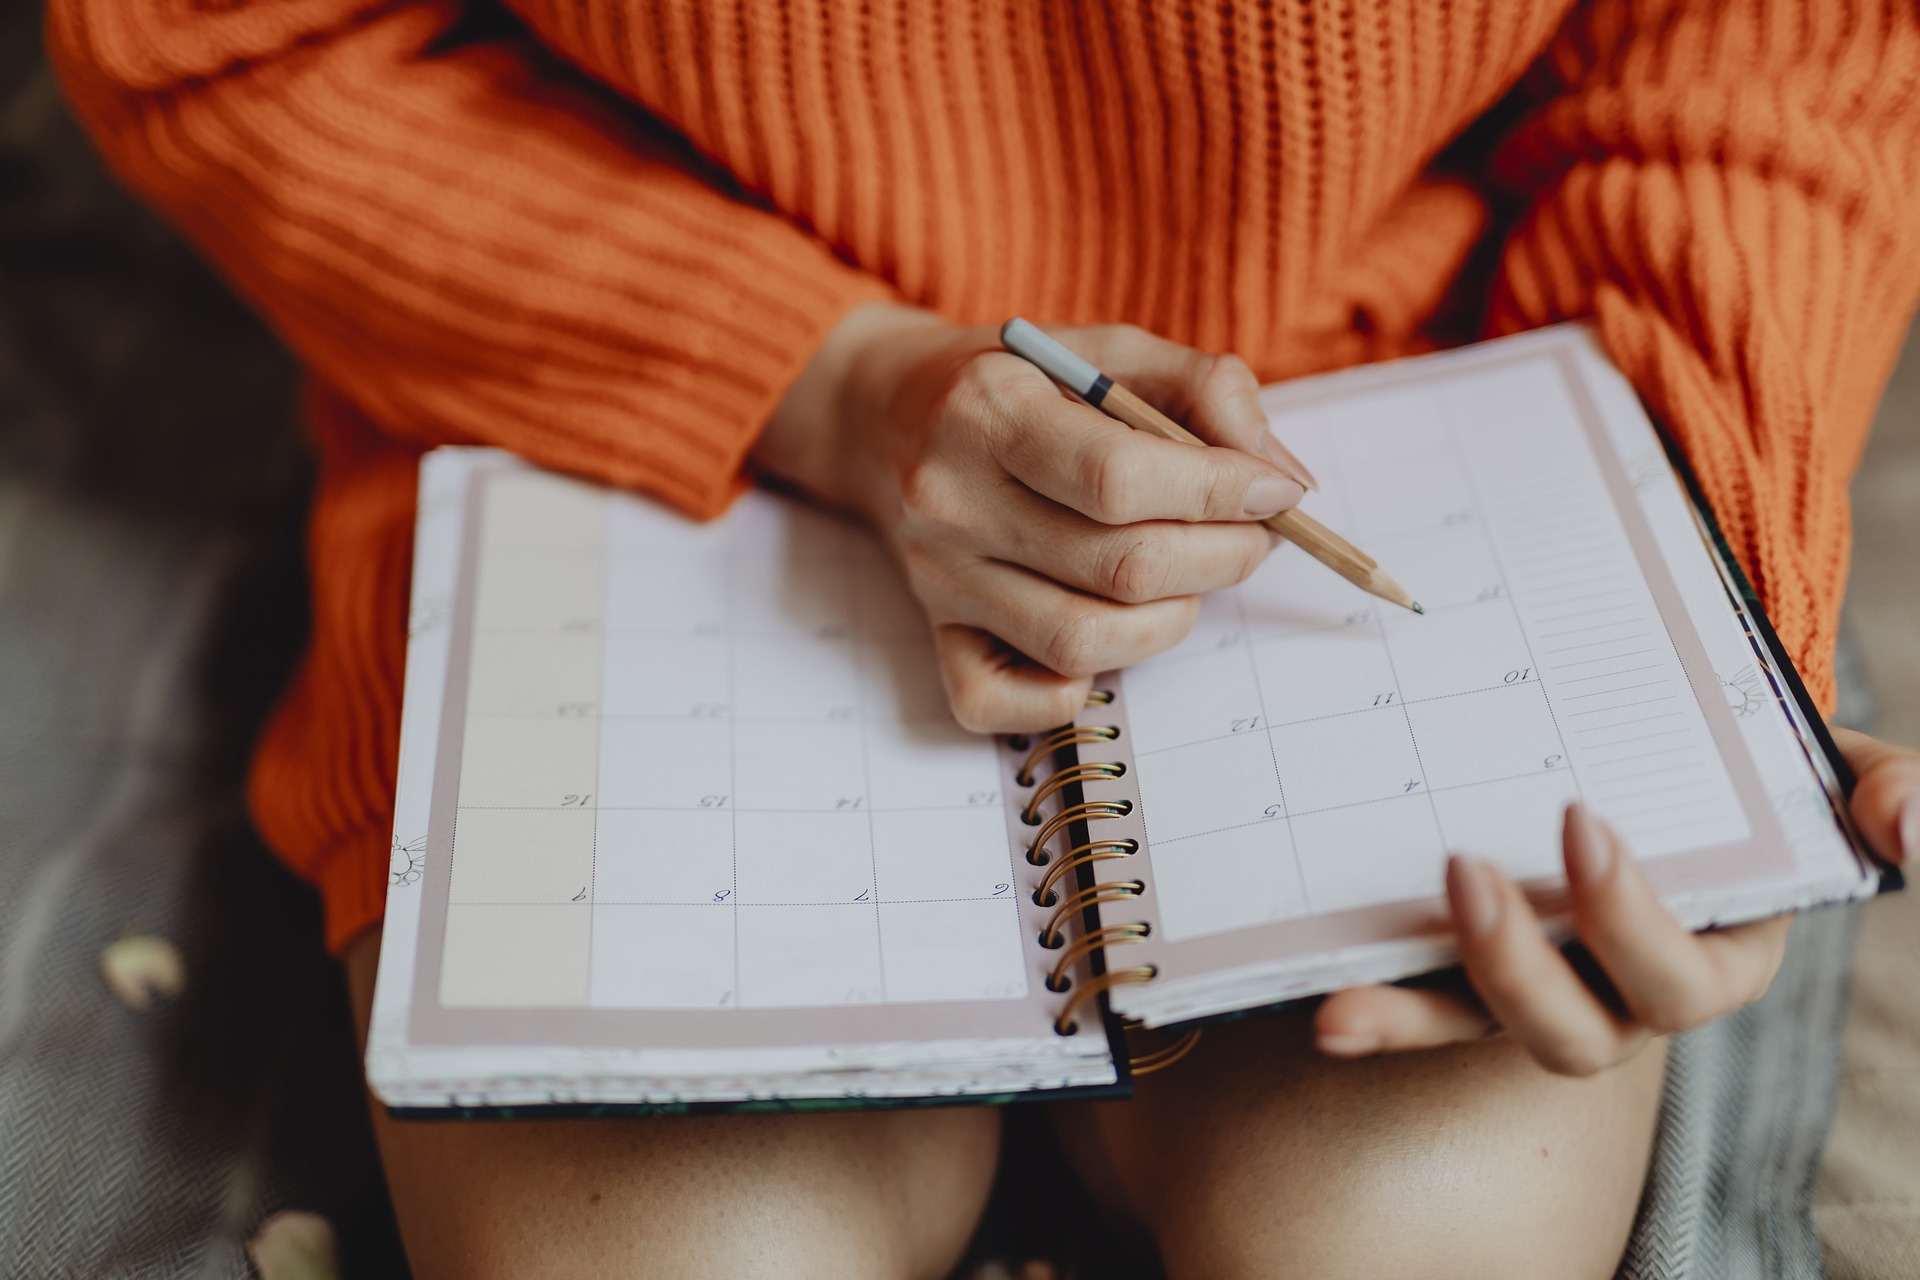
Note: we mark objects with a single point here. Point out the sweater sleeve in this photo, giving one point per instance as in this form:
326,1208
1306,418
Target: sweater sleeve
1732,192
456,232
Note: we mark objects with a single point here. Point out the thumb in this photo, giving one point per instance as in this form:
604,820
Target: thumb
1886,795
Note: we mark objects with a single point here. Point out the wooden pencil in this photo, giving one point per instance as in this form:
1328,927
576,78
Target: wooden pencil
1078,376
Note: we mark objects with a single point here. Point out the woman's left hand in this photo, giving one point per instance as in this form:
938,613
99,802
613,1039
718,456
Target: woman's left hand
1664,978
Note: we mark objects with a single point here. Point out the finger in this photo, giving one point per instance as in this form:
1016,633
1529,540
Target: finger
1670,978
1366,1020
1886,796
1065,631
1215,395
1527,984
993,688
1130,563
1085,460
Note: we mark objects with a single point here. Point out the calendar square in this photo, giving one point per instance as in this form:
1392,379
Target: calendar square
1501,733
497,957
663,764
1179,786
785,595
1194,698
790,858
799,956
1409,496
1251,879
1344,760
1384,426
1292,592
664,594
930,764
665,676
940,951
657,957
1374,853
1515,823
537,591
786,765
509,761
900,680
796,678
961,854
537,510
522,855
1445,567
533,675
1323,673
1474,646
664,856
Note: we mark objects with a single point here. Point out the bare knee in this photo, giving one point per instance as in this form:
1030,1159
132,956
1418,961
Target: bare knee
877,1194
1472,1162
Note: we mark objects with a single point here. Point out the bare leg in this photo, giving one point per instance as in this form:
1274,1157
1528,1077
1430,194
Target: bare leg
846,1195
1256,1156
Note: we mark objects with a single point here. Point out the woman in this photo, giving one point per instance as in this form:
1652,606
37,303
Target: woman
660,244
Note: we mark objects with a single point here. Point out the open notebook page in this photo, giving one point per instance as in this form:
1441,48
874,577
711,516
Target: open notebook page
683,816
1306,759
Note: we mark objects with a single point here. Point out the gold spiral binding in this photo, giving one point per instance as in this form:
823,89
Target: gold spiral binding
1084,855
1079,856
1065,1025
1160,1059
1085,811
1092,895
1093,771
1105,936
1072,735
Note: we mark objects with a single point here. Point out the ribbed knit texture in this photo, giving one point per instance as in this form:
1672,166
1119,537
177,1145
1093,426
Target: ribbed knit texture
469,240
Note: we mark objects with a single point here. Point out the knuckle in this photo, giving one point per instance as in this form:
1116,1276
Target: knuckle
1222,487
1114,483
929,496
1073,647
1226,374
1138,570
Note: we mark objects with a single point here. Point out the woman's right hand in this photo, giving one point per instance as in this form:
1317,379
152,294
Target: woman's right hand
1047,542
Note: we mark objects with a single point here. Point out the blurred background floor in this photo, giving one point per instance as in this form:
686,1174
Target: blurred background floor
151,602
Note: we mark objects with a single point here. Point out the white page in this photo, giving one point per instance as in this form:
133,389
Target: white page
683,811
1307,758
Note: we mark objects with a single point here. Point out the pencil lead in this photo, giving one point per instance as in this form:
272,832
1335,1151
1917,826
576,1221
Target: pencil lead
1417,608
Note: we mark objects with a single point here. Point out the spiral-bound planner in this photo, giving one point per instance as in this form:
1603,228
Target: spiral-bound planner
683,819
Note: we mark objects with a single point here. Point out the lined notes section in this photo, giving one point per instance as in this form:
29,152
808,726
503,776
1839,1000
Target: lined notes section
1629,717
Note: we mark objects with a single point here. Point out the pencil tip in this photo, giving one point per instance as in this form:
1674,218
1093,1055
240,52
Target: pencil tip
1417,608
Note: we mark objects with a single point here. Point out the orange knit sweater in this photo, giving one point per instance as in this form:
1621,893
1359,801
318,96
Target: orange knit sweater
606,234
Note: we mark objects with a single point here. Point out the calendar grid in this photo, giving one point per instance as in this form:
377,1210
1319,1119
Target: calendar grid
763,715
1515,548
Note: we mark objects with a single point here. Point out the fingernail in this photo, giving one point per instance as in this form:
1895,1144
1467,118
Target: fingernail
1282,457
1270,495
1476,900
1349,1046
1589,853
1910,830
